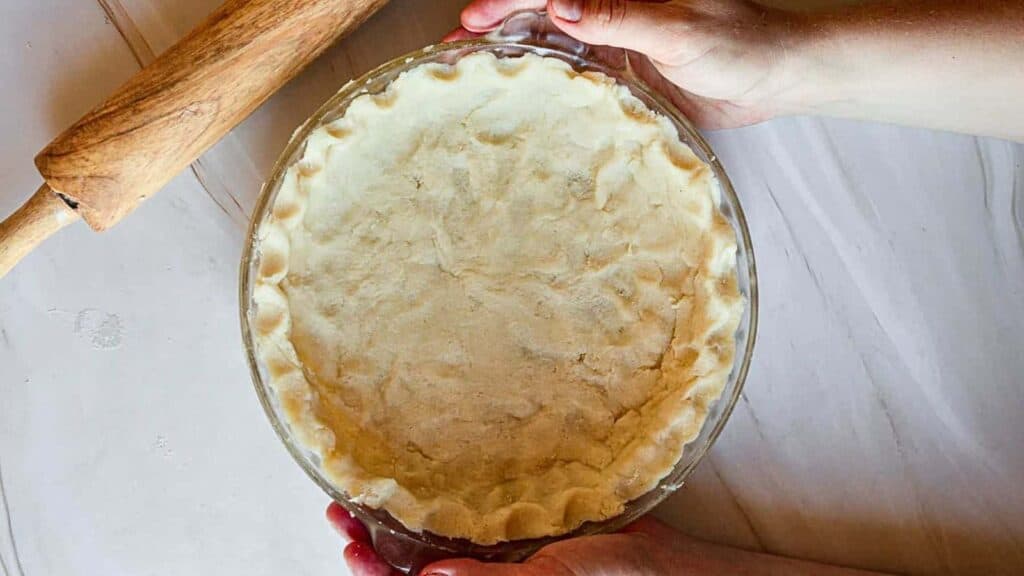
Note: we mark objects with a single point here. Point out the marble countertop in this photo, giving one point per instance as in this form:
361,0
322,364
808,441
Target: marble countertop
881,424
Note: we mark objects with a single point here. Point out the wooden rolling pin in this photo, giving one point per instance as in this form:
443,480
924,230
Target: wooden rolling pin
172,111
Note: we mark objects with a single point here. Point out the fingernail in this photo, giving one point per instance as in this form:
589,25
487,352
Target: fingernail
571,10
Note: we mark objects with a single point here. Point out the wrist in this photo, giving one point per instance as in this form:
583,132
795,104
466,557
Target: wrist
806,75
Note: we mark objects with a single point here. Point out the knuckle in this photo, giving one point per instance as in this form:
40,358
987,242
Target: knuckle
608,13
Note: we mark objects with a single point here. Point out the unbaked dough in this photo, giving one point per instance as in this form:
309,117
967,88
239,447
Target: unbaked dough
498,298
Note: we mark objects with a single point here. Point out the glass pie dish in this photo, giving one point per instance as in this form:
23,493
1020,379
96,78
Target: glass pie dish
522,33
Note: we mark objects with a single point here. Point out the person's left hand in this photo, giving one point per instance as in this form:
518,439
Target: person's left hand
644,548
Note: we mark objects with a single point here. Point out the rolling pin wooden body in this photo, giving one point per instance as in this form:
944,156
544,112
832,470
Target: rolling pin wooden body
172,111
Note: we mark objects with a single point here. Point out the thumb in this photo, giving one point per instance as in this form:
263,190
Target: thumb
639,25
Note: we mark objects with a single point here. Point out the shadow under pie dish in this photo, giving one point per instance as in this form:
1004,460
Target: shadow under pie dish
492,293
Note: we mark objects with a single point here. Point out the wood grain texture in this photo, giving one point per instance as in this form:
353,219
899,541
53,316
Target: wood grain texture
154,126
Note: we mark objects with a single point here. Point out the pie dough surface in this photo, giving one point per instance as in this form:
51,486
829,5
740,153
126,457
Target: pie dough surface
497,299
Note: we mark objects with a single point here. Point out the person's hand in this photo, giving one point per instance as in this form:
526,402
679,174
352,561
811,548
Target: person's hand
725,63
722,62
644,548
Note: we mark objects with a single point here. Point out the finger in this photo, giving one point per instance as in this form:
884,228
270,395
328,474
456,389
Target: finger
351,529
459,33
363,561
486,15
651,28
466,567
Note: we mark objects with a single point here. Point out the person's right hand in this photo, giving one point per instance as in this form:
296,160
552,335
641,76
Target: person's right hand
645,548
723,62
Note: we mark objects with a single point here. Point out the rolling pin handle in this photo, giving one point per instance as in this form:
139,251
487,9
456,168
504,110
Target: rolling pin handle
40,217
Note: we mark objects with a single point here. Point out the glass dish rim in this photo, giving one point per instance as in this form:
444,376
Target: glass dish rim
381,520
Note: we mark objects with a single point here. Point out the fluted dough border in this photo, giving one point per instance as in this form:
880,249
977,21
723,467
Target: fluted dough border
694,371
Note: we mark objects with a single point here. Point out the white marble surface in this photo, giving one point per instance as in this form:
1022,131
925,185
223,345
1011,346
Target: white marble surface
881,425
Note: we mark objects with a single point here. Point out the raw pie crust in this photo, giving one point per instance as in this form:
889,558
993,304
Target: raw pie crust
497,299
